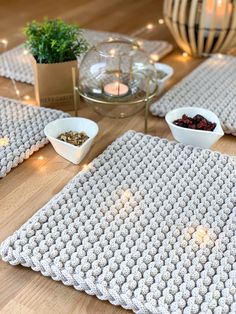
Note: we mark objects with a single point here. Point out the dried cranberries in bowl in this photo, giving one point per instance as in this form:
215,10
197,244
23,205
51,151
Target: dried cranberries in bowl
198,122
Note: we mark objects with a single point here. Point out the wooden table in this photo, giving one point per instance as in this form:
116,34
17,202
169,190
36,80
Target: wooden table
28,187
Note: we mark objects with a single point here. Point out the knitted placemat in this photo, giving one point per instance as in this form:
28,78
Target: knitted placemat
211,85
21,131
15,63
150,226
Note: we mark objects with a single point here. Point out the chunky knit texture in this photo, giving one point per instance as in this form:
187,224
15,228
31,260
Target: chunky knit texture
21,131
16,63
149,226
211,86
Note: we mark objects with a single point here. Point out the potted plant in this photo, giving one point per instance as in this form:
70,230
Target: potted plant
54,46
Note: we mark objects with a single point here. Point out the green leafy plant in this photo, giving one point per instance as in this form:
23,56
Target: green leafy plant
54,41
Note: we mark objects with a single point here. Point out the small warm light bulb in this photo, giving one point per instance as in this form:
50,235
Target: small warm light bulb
40,158
219,3
112,52
25,52
4,141
154,57
4,42
202,236
140,43
161,21
149,26
110,39
17,92
27,97
127,194
185,54
85,167
219,56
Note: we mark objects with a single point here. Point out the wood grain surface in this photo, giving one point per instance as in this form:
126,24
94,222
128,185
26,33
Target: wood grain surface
32,184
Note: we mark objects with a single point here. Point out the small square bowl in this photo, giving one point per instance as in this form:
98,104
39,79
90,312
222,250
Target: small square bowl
71,152
199,138
169,72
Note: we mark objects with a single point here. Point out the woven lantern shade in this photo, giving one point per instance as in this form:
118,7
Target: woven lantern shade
202,26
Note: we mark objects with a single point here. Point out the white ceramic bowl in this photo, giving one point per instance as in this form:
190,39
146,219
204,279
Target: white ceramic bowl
71,152
169,72
204,139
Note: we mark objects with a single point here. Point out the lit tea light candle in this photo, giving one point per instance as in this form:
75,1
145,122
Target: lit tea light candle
116,89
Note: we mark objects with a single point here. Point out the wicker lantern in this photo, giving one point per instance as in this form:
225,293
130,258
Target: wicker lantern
202,26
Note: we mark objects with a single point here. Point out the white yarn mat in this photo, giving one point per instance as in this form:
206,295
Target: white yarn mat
15,64
149,226
211,85
21,131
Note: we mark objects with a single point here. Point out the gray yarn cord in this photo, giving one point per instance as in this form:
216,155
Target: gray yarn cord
16,65
211,86
149,226
21,131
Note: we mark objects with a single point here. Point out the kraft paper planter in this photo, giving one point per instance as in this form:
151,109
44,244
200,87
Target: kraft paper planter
53,83
202,27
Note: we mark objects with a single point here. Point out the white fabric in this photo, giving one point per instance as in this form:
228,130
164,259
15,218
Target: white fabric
21,131
212,85
149,226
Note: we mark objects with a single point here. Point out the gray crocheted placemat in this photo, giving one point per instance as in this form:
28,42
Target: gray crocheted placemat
149,226
21,131
15,64
211,86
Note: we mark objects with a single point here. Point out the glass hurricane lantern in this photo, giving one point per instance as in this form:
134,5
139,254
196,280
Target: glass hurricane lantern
117,79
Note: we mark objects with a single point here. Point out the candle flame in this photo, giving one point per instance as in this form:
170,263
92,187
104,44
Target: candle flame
25,52
161,21
17,92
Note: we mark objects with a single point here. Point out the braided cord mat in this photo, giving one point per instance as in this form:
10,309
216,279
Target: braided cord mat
149,226
15,64
211,86
21,131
